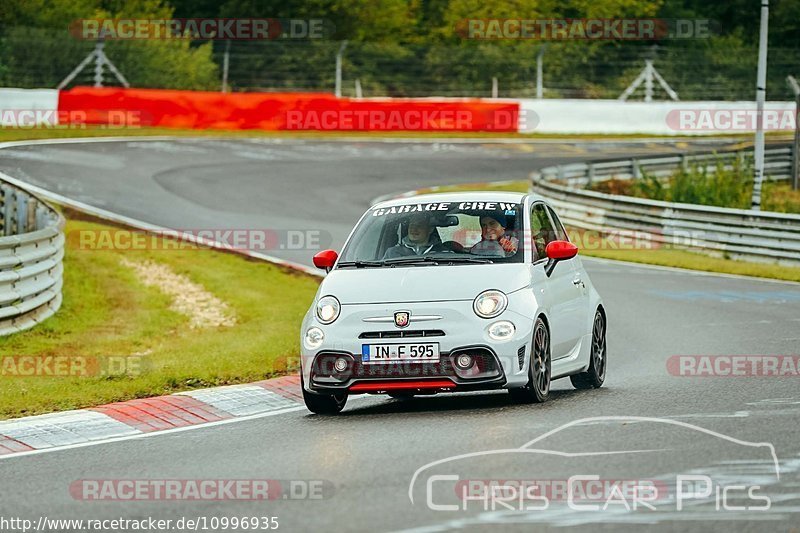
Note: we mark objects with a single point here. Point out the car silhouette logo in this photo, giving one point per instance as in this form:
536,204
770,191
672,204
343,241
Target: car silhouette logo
401,319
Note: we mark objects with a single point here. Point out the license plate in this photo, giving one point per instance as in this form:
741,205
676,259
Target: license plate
387,353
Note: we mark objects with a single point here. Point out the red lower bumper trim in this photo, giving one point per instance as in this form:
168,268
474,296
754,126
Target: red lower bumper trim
402,385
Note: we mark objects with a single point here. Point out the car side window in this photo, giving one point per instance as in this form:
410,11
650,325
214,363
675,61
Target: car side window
542,232
561,233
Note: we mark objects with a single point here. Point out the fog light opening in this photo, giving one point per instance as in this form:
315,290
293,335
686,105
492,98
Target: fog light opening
340,365
464,361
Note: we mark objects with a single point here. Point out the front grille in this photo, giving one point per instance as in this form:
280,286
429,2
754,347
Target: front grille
521,356
323,372
401,334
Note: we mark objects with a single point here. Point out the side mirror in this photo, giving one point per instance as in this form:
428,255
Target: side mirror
558,251
326,259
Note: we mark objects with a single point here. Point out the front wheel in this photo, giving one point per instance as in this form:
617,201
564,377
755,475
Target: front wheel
537,390
594,377
323,404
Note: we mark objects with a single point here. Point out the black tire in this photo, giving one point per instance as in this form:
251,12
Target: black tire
537,390
594,377
323,404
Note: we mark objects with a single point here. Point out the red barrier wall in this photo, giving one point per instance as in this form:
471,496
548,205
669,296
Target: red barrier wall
283,111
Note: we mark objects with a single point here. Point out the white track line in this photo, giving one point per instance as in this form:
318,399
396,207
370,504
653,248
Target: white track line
153,433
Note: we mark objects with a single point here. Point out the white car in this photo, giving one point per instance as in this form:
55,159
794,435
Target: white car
449,293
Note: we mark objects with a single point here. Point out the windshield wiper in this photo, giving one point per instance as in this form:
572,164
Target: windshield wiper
428,259
414,259
463,260
360,264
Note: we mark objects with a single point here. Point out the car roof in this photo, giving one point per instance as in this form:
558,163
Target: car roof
474,196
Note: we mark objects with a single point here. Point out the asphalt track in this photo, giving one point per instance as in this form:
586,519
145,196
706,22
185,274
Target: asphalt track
368,456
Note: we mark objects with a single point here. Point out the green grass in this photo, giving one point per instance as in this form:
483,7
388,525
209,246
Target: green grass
717,186
697,261
19,134
108,312
498,186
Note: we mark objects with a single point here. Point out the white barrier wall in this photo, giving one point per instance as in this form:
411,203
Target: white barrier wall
27,108
653,118
32,107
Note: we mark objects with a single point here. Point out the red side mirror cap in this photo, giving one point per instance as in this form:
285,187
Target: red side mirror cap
561,250
326,259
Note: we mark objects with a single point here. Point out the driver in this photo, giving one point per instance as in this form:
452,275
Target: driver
495,240
419,241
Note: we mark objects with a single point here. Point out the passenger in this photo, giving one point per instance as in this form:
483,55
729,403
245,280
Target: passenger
494,239
421,239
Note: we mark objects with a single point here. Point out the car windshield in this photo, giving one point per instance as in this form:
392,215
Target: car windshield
437,233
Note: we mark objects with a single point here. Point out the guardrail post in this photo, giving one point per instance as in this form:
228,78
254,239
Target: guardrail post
635,171
3,219
22,213
9,195
589,174
33,211
685,162
560,172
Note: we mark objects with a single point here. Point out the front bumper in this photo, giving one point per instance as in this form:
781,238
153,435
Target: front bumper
487,373
456,329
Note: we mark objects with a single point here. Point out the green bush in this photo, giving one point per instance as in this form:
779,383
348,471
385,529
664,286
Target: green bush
708,184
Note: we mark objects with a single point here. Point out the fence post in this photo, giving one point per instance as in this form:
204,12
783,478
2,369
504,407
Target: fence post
226,60
539,82
796,146
338,88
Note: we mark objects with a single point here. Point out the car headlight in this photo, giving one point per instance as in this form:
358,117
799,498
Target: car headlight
327,309
313,339
501,330
490,304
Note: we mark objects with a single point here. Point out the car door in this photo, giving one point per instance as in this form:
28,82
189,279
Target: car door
566,296
580,279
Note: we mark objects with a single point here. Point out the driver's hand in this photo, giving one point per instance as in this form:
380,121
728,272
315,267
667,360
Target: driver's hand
509,244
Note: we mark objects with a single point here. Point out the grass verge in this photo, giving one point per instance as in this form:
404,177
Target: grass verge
109,312
21,134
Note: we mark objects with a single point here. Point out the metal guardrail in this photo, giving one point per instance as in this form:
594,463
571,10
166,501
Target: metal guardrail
31,254
736,233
